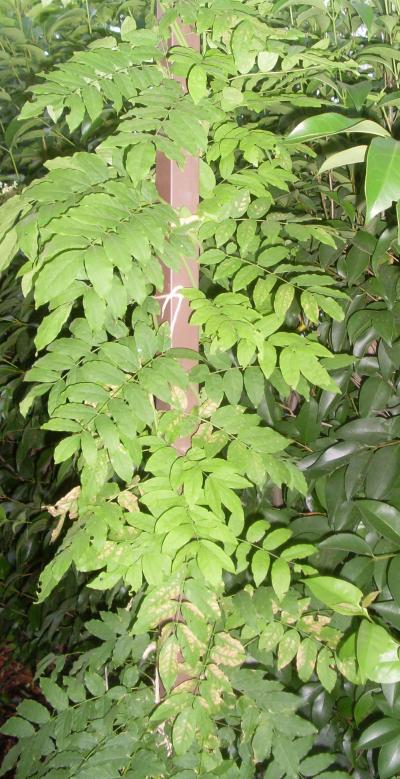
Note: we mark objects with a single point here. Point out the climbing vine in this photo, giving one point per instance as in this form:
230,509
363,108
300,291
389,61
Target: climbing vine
248,589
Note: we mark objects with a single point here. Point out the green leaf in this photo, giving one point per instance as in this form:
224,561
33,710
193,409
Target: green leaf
326,674
56,276
95,683
377,654
272,256
244,277
345,157
267,359
309,305
314,372
17,728
367,431
66,448
99,270
184,730
34,712
93,101
332,124
382,517
197,83
289,367
379,733
271,636
334,775
347,542
389,759
298,552
280,577
267,60
254,384
365,12
168,661
285,755
338,594
152,567
233,385
95,309
209,565
242,47
306,657
100,629
231,98
139,161
128,27
56,697
76,114
9,213
313,765
262,741
51,325
382,181
276,538
288,647
260,565
8,249
207,180
331,307
393,578
283,299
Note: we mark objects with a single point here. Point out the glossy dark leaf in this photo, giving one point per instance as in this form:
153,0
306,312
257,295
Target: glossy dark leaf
332,124
346,157
332,458
382,183
382,472
382,517
366,431
380,732
346,542
393,578
389,759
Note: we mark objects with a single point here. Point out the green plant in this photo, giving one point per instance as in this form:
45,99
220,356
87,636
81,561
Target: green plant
244,625
33,36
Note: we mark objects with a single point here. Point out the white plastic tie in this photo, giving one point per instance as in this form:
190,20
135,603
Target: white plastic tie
174,294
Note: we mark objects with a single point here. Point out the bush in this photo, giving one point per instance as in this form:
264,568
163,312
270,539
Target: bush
233,610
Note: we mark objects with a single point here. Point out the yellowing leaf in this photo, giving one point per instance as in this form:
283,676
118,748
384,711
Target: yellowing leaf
271,636
306,657
310,306
227,650
288,647
184,730
168,661
283,299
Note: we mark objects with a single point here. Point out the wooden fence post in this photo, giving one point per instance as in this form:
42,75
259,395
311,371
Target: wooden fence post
180,188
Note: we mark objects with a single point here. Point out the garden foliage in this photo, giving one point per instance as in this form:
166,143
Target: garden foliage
236,609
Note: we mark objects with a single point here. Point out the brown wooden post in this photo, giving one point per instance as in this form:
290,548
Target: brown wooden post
180,188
